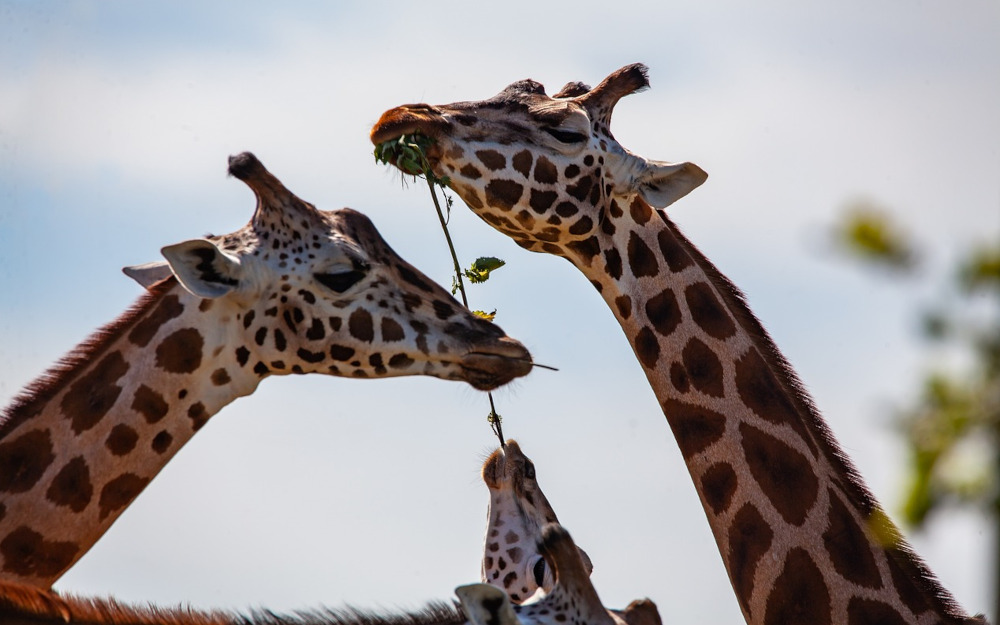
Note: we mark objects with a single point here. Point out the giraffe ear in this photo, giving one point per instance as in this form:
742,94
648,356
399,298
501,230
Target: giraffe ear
486,605
148,274
203,268
661,184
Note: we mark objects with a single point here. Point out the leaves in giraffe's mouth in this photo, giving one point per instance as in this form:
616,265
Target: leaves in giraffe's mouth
409,154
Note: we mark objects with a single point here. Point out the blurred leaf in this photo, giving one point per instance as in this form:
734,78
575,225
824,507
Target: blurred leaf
981,270
869,234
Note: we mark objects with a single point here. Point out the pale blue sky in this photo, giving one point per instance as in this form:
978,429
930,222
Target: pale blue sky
115,124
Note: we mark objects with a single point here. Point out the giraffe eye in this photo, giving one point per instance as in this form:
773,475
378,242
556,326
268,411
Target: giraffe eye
538,571
529,469
565,136
341,281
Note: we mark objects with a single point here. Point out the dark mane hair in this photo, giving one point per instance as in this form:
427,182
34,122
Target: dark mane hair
30,400
25,605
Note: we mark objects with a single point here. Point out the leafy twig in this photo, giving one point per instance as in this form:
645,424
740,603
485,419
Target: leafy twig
408,153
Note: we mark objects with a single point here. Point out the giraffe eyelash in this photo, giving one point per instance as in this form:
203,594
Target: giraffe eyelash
565,136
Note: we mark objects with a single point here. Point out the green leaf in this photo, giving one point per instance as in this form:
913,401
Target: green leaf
489,316
481,269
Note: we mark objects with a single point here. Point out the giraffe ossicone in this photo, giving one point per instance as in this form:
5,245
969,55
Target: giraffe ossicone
802,538
297,290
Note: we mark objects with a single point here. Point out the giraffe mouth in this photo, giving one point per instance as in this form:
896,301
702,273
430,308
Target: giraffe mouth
487,370
409,119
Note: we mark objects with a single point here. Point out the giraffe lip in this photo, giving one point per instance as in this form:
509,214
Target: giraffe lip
486,371
408,119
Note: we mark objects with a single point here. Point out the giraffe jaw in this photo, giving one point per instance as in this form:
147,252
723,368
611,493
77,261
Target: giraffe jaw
487,371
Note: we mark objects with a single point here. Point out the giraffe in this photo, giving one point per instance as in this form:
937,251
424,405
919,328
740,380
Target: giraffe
571,599
801,536
297,290
517,512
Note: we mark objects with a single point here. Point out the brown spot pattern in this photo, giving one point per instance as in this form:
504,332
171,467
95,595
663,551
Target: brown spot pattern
707,312
493,160
121,440
647,347
316,331
341,352
149,404
663,312
783,474
220,377
848,547
580,189
582,226
624,305
503,194
522,162
180,352
639,210
198,415
469,171
169,308
91,397
161,442
749,539
613,263
679,377
541,201
71,487
677,258
799,594
400,361
545,171
391,330
361,326
24,460
760,391
27,553
718,485
694,427
120,492
640,257
703,367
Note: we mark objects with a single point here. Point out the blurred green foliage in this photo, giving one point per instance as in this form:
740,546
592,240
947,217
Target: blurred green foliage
952,424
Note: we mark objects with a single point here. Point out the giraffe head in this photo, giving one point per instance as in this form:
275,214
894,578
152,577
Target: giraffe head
545,170
518,511
571,599
321,291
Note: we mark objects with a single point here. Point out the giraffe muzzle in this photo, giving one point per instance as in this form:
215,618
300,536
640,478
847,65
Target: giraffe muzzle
492,366
408,119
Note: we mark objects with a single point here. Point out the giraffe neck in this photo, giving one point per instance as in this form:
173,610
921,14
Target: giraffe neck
27,605
801,537
83,440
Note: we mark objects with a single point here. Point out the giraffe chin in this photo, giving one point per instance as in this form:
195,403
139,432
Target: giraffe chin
486,372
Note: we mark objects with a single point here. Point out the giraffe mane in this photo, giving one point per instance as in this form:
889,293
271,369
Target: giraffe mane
43,388
909,565
35,606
